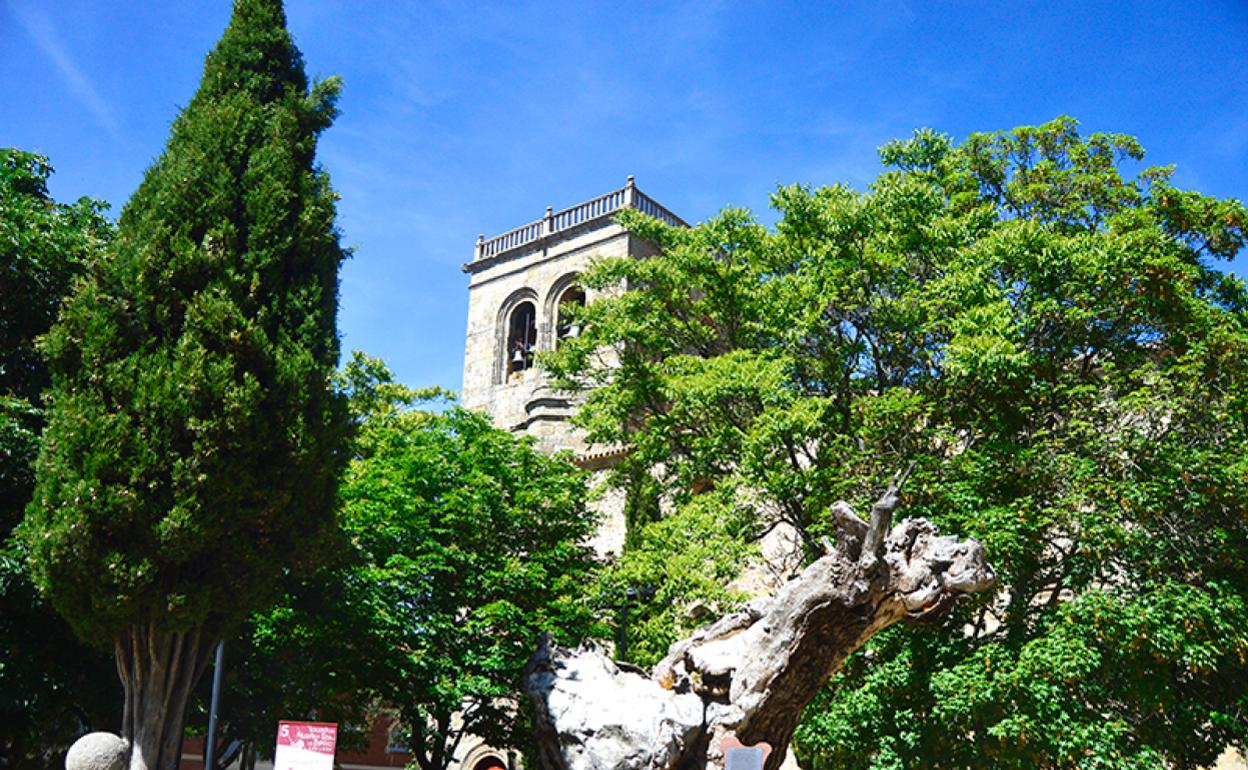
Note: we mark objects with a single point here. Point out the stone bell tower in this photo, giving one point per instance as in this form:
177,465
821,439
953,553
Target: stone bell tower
520,285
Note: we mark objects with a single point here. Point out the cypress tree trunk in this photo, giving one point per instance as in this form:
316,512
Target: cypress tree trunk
158,670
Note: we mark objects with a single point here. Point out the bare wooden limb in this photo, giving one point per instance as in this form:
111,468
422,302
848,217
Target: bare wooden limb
882,514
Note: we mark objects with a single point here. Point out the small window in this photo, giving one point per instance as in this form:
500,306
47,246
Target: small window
568,324
396,739
521,337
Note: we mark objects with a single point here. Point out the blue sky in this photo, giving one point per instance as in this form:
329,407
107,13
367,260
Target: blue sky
466,118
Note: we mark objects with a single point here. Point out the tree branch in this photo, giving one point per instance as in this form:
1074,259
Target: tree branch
882,514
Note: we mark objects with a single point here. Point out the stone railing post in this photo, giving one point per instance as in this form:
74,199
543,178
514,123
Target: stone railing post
630,193
480,245
547,223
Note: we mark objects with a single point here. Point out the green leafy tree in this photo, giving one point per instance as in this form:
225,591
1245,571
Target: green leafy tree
467,545
460,545
1049,340
305,657
678,569
309,656
194,440
51,686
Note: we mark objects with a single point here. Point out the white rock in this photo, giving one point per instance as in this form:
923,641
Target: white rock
98,751
634,723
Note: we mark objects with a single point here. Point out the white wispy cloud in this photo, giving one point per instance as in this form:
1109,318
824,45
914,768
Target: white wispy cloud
43,33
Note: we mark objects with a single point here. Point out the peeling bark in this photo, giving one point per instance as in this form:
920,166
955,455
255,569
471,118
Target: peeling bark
749,674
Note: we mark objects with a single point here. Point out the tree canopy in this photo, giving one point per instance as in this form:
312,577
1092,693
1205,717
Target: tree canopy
1038,322
50,685
194,440
459,546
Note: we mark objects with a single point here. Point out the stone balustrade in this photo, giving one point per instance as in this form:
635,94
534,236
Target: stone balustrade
556,222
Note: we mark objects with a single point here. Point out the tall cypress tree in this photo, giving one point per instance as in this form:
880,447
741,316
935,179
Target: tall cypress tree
194,440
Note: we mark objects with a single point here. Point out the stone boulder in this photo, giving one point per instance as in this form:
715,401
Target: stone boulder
98,751
635,723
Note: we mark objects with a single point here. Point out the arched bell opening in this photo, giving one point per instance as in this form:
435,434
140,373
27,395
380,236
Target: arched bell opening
521,337
568,323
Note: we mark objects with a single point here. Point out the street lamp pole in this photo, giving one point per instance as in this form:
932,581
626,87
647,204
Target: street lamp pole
622,647
210,747
631,594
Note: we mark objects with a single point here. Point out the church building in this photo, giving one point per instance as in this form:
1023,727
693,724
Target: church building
520,286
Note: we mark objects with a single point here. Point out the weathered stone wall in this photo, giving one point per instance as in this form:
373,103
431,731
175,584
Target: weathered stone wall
523,401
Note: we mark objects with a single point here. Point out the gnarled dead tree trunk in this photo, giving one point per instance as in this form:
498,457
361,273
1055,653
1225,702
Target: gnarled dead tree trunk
748,675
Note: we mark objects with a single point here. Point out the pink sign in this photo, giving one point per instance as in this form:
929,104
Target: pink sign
305,746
